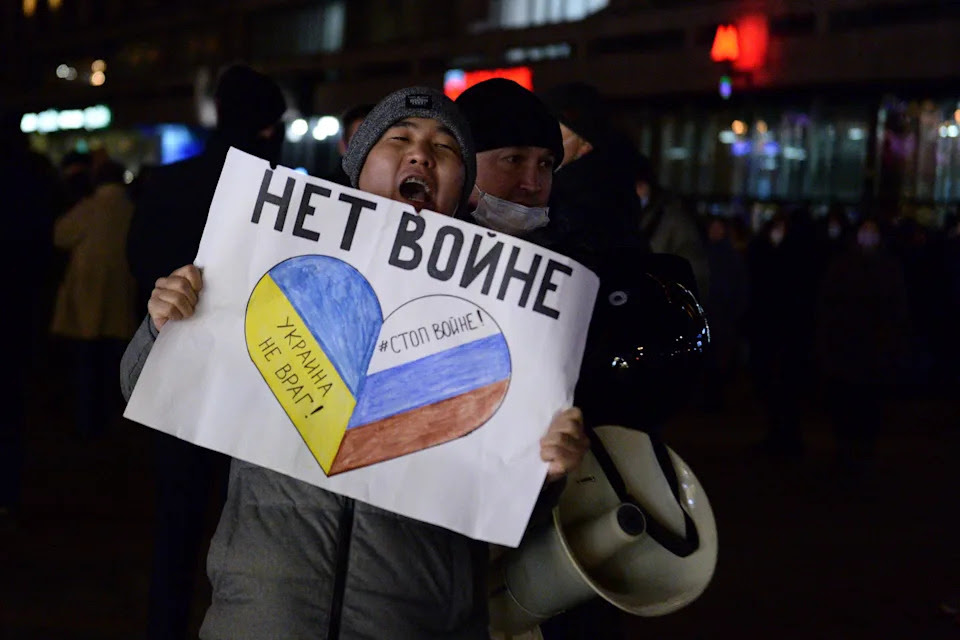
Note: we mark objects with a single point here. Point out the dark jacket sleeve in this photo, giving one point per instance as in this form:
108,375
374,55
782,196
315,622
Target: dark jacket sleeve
136,355
546,501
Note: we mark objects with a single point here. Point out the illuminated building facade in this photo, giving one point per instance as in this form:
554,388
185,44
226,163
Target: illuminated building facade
826,100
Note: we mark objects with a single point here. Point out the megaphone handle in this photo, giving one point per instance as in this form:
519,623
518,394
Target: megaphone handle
677,545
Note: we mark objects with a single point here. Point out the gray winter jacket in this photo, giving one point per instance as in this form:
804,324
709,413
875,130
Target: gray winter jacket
290,560
672,229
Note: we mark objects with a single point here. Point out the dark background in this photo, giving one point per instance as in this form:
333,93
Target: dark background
854,106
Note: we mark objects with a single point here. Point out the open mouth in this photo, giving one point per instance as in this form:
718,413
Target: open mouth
416,190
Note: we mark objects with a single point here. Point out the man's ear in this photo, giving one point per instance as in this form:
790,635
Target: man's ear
585,148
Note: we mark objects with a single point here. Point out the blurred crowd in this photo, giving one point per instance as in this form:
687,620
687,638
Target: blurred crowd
837,310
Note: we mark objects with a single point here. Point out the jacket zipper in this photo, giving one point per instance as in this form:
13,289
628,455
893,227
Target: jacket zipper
344,534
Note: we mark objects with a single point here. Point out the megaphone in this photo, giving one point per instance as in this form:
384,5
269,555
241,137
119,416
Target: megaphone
633,526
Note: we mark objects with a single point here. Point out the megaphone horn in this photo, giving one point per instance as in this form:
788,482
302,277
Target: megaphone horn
632,526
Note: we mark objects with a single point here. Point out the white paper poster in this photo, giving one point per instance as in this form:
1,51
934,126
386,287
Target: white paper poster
411,361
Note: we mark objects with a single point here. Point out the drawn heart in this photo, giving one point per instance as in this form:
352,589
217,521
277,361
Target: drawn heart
360,389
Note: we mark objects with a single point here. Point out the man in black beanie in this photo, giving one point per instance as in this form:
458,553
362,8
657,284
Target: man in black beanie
518,148
168,221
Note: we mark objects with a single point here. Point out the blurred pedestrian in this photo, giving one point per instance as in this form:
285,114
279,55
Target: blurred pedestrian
917,248
594,206
76,177
168,222
94,310
833,234
171,210
951,267
670,227
28,182
725,305
350,121
861,342
781,265
75,184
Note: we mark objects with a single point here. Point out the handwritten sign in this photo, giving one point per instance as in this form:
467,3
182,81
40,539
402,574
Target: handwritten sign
412,361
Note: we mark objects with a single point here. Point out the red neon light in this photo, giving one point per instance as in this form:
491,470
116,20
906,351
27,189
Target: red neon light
754,35
726,44
454,86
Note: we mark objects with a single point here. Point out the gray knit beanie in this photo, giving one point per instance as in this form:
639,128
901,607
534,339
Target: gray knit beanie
412,102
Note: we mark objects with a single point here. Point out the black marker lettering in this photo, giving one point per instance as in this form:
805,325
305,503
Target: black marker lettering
265,197
407,236
357,205
526,277
547,285
306,209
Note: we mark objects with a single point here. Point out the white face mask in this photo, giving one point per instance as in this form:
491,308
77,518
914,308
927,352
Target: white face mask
508,217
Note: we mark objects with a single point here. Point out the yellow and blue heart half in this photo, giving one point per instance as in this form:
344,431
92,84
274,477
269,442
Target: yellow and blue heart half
313,324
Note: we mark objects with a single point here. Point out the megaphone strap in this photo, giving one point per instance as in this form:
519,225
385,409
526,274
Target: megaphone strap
680,546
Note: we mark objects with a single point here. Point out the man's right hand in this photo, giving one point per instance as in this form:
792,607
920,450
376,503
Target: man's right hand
175,297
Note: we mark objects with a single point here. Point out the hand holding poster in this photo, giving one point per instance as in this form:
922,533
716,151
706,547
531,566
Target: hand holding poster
412,361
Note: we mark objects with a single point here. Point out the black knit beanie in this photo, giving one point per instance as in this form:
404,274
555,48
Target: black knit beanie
501,114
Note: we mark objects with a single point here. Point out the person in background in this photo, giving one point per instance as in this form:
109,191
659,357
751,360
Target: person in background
725,304
75,183
593,203
94,309
292,560
951,267
861,343
28,182
669,226
171,212
350,121
918,248
833,233
781,263
75,177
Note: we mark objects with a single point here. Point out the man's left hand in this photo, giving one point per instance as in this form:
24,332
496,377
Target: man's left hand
565,443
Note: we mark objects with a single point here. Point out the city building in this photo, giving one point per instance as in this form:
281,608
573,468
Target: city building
854,102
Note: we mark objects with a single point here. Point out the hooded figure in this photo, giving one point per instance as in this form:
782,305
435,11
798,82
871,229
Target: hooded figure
594,204
173,200
170,212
